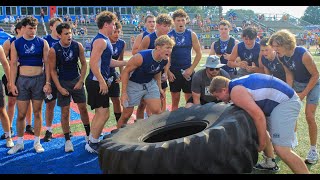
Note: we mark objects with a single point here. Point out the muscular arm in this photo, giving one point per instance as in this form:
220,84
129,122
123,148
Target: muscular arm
6,47
98,47
121,57
83,69
144,43
309,63
136,44
52,66
212,51
197,48
232,58
13,66
242,98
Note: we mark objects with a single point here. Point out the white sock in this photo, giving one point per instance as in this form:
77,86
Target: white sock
36,139
313,148
7,134
20,140
49,129
93,140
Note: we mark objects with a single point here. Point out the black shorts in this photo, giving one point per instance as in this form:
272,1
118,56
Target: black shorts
5,82
78,96
1,95
180,83
54,93
114,89
164,85
95,99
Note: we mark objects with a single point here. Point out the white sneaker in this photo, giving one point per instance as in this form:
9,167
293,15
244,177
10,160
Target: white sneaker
38,147
68,147
9,142
16,148
312,157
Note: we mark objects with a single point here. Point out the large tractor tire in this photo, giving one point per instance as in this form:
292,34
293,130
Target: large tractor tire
213,138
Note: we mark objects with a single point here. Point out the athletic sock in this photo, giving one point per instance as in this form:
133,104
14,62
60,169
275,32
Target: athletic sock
67,136
87,128
117,115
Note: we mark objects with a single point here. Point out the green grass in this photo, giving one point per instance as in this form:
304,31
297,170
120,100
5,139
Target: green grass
303,134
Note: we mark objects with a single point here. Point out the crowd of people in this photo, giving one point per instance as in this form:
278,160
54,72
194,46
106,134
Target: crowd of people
47,69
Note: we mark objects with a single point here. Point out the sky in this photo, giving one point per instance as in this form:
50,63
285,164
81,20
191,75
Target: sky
296,11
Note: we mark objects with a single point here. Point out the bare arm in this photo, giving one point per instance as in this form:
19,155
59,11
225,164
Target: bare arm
133,63
232,58
13,66
121,57
197,48
308,62
136,44
144,43
5,64
47,86
83,69
212,51
242,98
53,71
6,47
196,97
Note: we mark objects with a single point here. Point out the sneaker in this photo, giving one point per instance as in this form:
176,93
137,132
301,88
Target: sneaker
9,143
38,147
16,148
92,147
312,157
3,136
29,130
47,136
268,164
68,147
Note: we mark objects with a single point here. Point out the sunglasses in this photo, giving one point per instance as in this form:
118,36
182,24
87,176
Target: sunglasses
211,69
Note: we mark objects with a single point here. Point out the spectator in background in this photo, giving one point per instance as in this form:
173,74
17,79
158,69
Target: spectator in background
12,19
82,20
6,20
42,13
12,29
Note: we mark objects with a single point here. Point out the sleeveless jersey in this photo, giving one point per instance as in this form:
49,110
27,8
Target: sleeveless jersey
30,52
249,55
181,52
51,41
105,59
295,64
117,49
275,68
153,36
148,68
221,47
67,61
267,91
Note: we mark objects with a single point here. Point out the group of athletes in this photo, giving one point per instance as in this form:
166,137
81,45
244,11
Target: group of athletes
267,79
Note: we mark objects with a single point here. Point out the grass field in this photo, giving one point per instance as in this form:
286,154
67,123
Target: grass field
303,134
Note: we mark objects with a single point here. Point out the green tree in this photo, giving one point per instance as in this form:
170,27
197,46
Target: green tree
312,15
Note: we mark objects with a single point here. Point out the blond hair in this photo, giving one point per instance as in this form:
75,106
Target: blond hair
164,40
283,38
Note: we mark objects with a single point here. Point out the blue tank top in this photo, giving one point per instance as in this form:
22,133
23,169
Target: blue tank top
149,67
249,55
225,47
275,68
267,91
117,49
30,52
67,61
294,63
181,52
145,33
104,62
153,36
51,41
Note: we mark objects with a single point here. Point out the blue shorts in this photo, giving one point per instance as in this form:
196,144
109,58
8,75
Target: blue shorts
313,95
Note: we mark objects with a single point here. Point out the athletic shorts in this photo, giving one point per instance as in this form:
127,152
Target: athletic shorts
78,96
282,121
313,96
114,89
54,93
180,83
95,99
1,95
30,87
137,91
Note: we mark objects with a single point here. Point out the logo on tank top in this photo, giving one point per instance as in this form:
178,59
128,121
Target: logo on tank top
223,46
115,51
53,43
272,66
154,69
68,55
248,57
290,63
29,50
180,41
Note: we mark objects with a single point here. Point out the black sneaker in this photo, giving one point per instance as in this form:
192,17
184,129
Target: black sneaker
29,130
92,147
47,136
3,136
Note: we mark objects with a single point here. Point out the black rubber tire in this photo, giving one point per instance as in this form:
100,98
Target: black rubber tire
213,138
